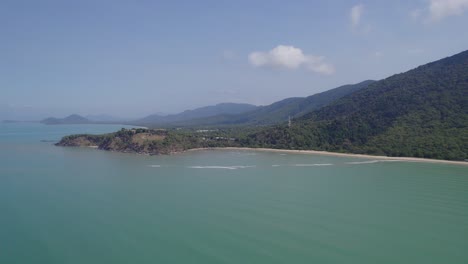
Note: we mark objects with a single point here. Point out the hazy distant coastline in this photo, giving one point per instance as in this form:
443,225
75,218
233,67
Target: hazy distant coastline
420,114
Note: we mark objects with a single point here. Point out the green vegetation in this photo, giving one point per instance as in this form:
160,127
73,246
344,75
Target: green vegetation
153,141
420,113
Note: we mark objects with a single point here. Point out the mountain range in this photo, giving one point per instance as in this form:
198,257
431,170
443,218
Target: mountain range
202,112
279,111
156,119
227,114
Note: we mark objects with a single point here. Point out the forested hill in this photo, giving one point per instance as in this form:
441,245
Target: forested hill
280,111
419,113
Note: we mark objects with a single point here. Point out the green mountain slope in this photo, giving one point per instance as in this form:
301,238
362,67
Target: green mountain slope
420,113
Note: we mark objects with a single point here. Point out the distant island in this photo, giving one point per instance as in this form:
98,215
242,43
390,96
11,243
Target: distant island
71,119
420,113
11,121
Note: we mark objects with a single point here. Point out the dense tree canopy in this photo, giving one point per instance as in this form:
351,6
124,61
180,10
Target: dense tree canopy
420,113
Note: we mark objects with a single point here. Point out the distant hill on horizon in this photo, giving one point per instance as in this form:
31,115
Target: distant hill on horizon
202,112
71,119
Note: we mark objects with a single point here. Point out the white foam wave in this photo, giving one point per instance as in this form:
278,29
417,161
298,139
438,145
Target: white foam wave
220,167
212,167
312,165
242,153
363,162
154,166
370,161
275,165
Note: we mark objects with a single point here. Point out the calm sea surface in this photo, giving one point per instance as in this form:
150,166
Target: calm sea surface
80,205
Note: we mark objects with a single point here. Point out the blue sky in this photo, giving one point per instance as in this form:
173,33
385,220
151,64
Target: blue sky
133,58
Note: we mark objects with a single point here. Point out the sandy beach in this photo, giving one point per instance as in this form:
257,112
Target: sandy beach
326,153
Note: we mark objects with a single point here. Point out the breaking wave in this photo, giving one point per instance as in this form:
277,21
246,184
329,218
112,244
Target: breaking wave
312,165
220,167
370,161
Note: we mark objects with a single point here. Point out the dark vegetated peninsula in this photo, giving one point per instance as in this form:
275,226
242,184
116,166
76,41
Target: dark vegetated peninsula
151,141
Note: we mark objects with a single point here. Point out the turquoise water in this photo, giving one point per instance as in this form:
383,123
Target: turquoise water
79,205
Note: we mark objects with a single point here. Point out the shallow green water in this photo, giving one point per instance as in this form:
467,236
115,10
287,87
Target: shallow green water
72,205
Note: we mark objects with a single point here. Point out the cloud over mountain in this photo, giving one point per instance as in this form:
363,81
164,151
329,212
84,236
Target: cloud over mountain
290,57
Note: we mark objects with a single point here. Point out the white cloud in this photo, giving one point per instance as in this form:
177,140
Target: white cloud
355,15
439,9
378,54
281,56
321,67
355,19
290,57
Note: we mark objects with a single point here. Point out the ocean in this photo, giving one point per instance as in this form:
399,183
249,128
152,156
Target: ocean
83,205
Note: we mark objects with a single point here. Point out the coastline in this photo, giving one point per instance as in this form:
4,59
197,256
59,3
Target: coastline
336,154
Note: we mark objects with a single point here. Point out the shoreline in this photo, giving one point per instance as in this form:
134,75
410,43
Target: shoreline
336,154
